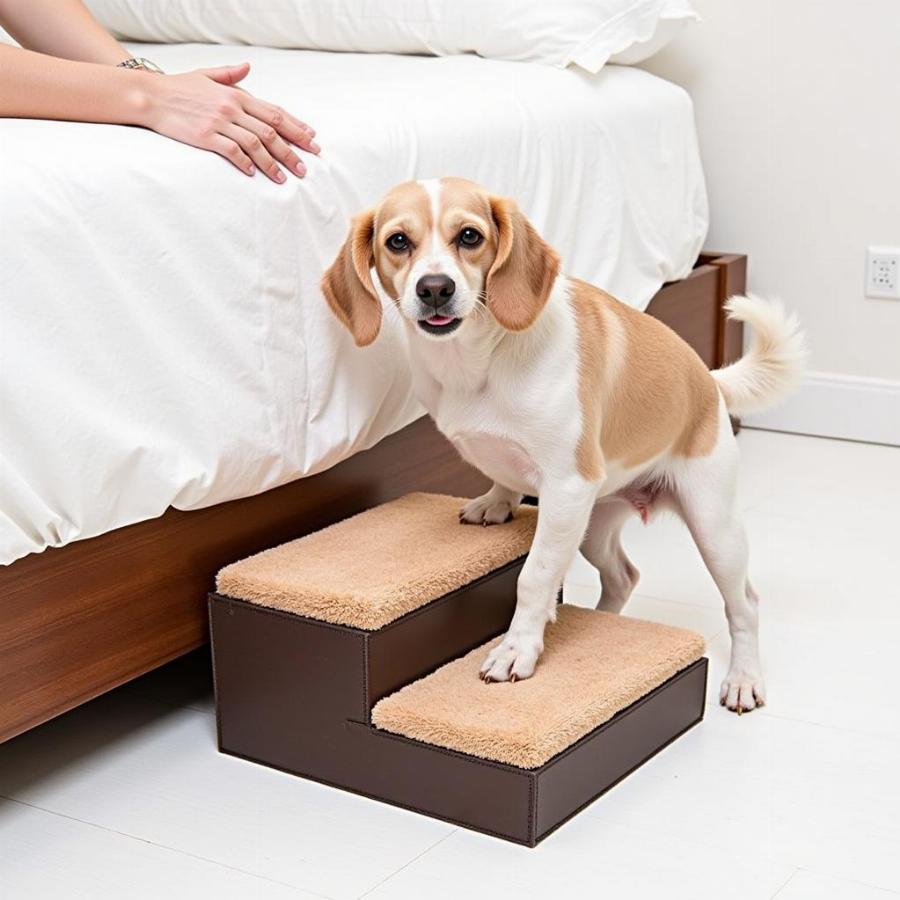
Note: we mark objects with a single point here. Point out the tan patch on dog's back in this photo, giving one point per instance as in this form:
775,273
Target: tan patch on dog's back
643,391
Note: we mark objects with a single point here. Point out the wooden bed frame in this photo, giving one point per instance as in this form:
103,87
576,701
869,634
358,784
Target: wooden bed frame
81,619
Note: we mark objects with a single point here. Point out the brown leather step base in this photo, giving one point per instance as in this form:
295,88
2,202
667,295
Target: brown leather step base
297,694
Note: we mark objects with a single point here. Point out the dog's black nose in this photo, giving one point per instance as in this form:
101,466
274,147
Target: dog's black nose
435,290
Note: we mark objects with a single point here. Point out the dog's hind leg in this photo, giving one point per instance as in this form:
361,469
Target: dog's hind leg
706,494
603,549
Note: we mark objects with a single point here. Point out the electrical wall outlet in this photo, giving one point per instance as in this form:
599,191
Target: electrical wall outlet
883,272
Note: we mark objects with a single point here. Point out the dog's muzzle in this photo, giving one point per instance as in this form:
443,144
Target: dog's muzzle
436,308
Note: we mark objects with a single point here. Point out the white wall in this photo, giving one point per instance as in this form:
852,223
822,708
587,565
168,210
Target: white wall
798,110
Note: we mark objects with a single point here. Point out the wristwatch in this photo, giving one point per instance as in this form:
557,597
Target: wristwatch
138,62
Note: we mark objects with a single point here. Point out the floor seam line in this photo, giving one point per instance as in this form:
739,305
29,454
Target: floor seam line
767,712
785,883
166,847
865,884
387,878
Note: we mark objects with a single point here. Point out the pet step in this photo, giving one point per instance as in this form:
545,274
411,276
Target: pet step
297,692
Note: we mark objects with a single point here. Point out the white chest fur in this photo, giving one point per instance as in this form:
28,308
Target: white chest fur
503,461
508,402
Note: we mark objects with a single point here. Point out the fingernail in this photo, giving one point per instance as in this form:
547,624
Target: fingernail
314,147
301,169
279,177
251,170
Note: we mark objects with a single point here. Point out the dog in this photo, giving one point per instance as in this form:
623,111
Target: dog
551,387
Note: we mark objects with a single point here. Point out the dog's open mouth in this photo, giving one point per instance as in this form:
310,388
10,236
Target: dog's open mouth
439,324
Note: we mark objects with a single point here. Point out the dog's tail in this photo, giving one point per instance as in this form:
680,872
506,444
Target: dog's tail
774,362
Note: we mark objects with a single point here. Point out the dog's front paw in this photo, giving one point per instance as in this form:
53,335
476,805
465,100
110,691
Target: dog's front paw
487,510
513,658
742,690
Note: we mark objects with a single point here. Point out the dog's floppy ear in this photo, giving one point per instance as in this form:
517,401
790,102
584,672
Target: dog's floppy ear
524,268
347,284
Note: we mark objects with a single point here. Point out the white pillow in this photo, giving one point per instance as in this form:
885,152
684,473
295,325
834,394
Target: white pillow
588,33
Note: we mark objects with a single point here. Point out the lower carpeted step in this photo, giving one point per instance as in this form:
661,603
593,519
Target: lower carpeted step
594,665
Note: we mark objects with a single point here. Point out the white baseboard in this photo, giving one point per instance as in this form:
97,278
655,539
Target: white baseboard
839,406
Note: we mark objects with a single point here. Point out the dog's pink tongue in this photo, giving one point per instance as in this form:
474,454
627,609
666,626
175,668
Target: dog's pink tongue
439,320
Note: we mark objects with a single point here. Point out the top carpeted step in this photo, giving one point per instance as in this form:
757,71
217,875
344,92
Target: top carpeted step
372,568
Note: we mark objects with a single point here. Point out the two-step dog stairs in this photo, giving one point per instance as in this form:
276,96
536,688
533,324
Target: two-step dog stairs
351,656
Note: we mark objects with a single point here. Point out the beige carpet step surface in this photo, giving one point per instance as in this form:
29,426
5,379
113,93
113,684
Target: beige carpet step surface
369,570
594,665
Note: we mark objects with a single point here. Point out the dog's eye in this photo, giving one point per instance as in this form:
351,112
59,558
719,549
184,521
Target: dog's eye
397,242
469,237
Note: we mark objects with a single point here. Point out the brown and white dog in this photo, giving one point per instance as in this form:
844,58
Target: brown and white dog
553,388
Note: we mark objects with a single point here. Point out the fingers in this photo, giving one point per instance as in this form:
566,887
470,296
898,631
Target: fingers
274,143
253,146
289,127
306,143
232,151
251,133
228,74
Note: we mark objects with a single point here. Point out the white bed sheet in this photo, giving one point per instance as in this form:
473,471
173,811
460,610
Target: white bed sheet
163,340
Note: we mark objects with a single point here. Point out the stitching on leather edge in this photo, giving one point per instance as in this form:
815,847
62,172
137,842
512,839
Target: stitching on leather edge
367,711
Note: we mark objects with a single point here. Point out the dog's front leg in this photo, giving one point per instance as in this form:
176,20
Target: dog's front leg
563,513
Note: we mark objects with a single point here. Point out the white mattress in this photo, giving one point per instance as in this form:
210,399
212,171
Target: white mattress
163,339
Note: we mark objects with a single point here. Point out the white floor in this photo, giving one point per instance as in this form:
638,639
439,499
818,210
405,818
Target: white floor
128,798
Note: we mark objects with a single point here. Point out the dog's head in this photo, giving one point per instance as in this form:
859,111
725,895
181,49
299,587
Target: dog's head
445,251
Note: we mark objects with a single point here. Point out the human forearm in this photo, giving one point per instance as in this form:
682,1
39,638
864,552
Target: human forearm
62,28
202,108
33,86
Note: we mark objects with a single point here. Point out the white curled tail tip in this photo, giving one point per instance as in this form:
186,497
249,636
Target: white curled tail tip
775,360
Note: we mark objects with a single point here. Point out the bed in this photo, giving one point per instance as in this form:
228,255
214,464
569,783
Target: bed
175,392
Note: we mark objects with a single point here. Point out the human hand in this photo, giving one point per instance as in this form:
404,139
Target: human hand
203,108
